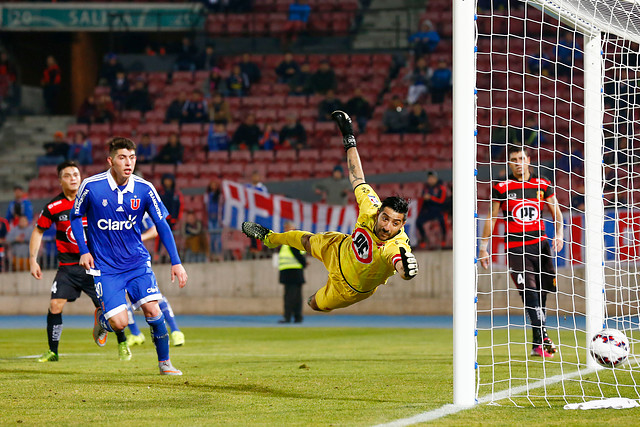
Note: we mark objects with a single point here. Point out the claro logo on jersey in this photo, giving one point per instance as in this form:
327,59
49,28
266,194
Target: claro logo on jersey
525,212
113,225
362,245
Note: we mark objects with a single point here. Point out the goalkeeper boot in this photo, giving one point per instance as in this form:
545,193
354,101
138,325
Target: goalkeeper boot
123,351
99,333
343,121
166,368
49,356
539,351
548,345
135,339
177,338
256,231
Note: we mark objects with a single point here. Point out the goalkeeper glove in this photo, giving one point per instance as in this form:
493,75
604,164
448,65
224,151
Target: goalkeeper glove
409,263
343,121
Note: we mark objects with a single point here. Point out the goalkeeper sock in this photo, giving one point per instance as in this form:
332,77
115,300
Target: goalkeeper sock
133,327
168,314
54,330
160,336
290,238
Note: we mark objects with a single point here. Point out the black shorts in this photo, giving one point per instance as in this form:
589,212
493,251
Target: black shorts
71,281
532,266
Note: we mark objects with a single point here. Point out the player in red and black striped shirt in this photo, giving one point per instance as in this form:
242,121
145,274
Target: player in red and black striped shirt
71,279
522,198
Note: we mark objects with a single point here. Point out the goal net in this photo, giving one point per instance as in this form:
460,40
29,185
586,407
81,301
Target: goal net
560,78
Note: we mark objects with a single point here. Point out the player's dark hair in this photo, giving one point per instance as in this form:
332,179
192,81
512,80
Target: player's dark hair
66,164
516,149
118,143
396,203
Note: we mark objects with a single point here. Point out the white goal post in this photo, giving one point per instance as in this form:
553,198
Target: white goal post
512,85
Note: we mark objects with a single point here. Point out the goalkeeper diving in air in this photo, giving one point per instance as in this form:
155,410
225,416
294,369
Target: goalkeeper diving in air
358,263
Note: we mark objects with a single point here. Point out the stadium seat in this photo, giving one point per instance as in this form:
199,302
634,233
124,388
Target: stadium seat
100,129
288,156
122,129
232,171
191,129
218,157
277,171
168,128
77,127
161,169
240,156
262,156
302,170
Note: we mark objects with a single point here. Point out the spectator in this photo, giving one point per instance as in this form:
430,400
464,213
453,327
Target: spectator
19,206
359,109
4,230
335,189
434,197
540,64
419,81
109,70
238,82
292,134
196,108
425,40
297,20
213,202
9,90
300,83
218,137
287,69
172,152
55,151
176,110
172,199
394,119
531,135
250,68
577,198
120,90
139,98
146,151
51,80
105,111
247,136
207,59
187,54
80,150
440,83
269,138
195,239
501,136
219,110
87,111
417,120
323,79
328,105
18,239
567,53
215,83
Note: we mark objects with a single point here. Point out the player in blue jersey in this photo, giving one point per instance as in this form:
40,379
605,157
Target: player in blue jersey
114,203
137,337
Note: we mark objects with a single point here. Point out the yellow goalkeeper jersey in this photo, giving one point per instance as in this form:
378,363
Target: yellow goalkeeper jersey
366,261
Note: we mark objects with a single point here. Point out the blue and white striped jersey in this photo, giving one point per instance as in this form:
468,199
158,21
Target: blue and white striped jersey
114,220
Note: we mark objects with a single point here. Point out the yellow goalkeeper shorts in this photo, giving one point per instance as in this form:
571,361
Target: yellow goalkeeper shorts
336,293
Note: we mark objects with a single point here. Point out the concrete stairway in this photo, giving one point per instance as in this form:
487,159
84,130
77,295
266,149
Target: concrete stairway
387,23
21,140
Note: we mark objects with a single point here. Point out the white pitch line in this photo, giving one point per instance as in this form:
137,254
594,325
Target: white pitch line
450,409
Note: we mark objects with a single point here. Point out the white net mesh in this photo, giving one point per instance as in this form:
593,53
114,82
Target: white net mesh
530,92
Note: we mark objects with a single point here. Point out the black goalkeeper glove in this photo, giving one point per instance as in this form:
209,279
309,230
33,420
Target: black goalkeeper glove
409,263
343,121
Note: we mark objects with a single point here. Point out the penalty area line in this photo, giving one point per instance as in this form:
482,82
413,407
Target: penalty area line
451,409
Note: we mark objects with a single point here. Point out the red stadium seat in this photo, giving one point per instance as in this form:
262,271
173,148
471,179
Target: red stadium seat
77,127
191,129
161,169
168,128
240,156
289,156
278,171
262,156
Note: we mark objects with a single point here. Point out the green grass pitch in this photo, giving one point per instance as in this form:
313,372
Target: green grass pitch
253,376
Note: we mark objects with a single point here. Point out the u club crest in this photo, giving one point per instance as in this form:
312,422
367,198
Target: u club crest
135,204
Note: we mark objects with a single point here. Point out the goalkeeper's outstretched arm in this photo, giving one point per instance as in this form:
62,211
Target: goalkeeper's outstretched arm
354,166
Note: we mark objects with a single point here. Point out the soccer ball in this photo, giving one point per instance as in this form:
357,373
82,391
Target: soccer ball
609,347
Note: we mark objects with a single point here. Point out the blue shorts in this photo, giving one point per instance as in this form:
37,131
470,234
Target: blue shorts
140,284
